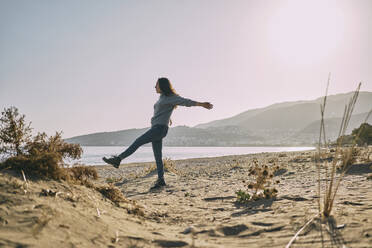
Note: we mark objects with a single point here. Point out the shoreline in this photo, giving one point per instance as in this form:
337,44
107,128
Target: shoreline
216,157
204,159
245,145
93,157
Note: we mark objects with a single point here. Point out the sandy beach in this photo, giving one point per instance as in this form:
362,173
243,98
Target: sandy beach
197,208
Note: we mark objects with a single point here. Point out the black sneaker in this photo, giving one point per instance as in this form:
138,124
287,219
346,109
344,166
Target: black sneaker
114,161
158,184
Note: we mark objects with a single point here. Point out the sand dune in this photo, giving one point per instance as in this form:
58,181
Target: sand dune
197,208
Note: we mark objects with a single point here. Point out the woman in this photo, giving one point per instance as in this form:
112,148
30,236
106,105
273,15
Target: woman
163,109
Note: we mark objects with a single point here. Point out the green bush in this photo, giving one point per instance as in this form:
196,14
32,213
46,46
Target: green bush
242,196
363,134
14,132
40,156
360,136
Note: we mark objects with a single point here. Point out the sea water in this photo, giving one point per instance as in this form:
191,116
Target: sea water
92,155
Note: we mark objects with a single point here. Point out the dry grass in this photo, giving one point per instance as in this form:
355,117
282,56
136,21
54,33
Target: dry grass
347,157
112,180
328,161
169,166
324,158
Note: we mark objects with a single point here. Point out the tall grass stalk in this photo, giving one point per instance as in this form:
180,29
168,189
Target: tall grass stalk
322,132
331,182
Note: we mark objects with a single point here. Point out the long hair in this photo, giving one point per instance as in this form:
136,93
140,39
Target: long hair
166,86
167,89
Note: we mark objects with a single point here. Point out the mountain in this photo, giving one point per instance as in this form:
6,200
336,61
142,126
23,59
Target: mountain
242,117
287,123
293,115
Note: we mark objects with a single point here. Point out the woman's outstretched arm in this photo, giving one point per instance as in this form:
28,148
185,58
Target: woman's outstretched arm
178,100
206,105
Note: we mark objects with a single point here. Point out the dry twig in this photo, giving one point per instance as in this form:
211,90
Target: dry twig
299,231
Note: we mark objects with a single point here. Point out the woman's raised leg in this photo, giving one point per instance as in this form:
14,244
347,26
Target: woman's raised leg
143,139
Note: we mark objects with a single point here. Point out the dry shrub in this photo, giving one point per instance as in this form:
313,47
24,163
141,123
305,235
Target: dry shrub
48,166
83,173
263,176
116,196
43,166
259,187
112,193
15,139
41,156
41,143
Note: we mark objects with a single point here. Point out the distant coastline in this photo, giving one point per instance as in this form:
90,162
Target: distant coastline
92,155
248,145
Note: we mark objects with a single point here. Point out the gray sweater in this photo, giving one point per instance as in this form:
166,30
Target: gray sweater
163,108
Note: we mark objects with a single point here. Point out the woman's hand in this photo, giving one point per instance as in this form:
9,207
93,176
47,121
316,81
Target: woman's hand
206,105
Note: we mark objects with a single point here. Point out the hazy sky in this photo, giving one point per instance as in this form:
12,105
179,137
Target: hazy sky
85,66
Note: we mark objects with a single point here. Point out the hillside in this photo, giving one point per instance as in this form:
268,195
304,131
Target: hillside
294,114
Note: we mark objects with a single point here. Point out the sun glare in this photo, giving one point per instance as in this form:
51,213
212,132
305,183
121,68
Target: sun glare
305,32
